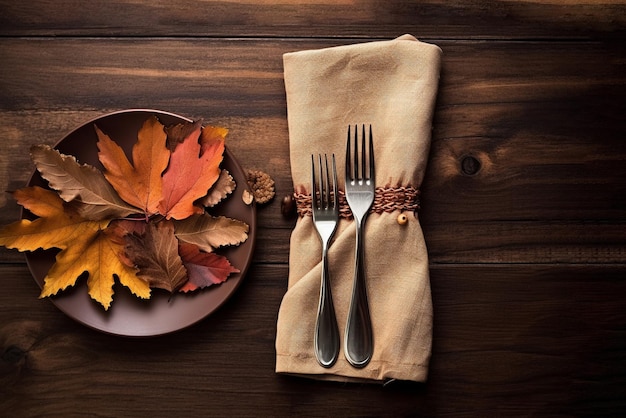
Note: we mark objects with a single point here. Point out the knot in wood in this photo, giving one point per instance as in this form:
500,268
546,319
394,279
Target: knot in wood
13,354
470,165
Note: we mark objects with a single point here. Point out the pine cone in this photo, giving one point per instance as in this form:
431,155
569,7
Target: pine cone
261,184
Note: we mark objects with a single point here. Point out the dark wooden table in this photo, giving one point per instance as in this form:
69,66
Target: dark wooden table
524,203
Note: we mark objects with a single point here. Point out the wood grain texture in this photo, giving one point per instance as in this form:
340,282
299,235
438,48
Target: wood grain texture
523,203
292,18
510,340
544,121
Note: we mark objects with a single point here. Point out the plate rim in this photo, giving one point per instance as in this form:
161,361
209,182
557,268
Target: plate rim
251,240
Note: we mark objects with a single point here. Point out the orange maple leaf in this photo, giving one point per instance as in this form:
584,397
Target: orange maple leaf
140,184
194,167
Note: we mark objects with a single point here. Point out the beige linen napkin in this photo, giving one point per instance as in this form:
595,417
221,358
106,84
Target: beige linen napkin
391,85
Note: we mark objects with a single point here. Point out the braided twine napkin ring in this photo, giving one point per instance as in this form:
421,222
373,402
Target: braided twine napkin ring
386,199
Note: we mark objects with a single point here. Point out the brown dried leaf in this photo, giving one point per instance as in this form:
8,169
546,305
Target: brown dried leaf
156,256
209,233
80,182
179,132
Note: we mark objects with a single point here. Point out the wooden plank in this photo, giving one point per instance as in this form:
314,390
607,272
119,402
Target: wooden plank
550,149
526,242
488,243
523,202
522,332
514,339
438,19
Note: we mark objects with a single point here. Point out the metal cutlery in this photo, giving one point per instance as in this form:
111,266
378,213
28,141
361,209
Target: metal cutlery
325,209
360,186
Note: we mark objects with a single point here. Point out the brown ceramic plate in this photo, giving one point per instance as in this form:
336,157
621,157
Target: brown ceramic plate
162,313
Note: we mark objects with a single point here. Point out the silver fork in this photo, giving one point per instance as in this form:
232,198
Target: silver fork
325,217
360,187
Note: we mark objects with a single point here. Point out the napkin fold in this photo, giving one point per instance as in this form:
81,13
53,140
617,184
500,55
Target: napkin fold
391,85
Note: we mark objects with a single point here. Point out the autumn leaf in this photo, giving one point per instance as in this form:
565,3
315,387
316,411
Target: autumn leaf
213,137
122,227
46,232
209,232
140,184
116,232
97,256
118,229
91,215
179,132
39,201
84,245
224,186
194,167
155,253
204,269
84,183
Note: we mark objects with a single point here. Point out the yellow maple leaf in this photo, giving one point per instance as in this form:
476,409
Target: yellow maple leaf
84,245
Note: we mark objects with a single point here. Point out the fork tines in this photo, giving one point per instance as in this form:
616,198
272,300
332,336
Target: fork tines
324,195
360,172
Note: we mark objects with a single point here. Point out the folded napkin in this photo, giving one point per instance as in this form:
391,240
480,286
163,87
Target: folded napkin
391,85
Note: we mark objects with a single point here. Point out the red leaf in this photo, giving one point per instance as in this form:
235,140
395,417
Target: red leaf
203,269
193,169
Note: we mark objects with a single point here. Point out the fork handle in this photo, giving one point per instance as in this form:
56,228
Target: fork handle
359,341
326,330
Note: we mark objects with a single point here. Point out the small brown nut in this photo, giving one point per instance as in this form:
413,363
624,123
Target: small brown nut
247,197
288,206
261,186
402,219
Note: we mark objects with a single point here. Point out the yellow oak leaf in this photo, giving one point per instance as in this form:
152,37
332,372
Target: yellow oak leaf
84,245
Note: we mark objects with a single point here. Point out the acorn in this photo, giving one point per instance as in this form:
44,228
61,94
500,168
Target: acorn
288,206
